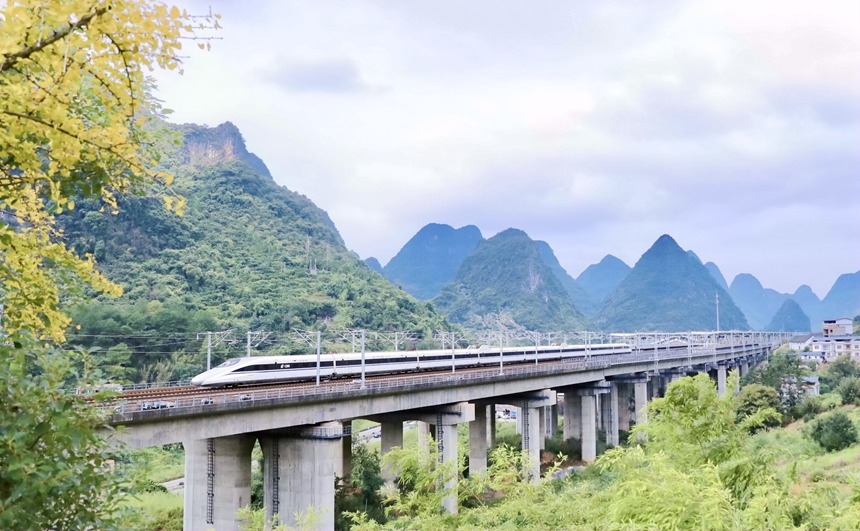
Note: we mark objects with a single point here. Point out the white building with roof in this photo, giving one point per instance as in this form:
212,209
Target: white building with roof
838,327
832,347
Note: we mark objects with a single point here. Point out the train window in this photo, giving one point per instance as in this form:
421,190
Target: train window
230,362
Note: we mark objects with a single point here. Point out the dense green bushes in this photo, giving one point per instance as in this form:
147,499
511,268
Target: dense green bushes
833,431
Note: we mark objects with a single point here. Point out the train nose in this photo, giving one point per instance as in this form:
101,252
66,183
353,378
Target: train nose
198,380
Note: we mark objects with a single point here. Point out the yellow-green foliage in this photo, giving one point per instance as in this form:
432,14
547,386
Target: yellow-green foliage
72,111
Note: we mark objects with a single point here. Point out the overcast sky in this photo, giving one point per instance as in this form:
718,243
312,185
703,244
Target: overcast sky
597,126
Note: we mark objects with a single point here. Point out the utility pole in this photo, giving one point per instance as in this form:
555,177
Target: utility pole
718,311
259,336
362,359
220,337
319,351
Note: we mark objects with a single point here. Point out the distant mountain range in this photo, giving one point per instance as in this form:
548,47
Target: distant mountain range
593,292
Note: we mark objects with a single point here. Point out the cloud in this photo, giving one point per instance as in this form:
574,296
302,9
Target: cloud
595,126
327,75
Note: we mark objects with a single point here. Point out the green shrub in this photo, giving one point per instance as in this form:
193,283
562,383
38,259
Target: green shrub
849,390
810,407
833,431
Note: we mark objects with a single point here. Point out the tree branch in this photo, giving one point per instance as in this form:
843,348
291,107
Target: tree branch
12,59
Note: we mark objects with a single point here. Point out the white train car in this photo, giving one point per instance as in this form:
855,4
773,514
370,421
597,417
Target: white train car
269,369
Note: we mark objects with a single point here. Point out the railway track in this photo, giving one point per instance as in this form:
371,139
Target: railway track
189,395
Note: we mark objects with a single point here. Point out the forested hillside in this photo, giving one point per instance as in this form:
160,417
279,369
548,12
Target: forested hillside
667,290
248,254
506,277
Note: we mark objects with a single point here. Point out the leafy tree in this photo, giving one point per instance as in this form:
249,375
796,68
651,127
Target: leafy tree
783,372
754,398
51,460
361,491
849,390
72,125
838,370
834,431
809,407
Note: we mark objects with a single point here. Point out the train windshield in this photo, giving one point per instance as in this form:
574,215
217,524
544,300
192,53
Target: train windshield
229,362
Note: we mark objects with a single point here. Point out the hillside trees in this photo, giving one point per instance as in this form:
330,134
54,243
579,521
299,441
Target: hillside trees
833,431
73,107
698,470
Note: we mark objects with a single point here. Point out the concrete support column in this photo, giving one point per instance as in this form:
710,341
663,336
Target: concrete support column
299,473
552,420
655,384
491,433
423,440
572,415
345,468
391,437
446,441
640,399
478,441
589,428
605,406
721,380
217,482
744,368
542,426
445,421
533,430
589,396
515,410
623,406
531,437
612,422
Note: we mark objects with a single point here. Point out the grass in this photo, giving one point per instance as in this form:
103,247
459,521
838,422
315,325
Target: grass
802,458
157,463
161,511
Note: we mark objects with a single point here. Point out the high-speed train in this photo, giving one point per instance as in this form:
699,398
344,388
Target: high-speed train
267,369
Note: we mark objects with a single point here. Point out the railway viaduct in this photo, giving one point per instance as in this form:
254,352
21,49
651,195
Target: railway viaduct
304,430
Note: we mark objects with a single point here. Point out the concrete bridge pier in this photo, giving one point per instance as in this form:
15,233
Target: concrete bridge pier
479,439
572,427
612,422
217,482
345,468
551,420
299,472
424,437
721,379
640,399
632,391
744,367
533,431
542,418
624,398
391,436
446,420
589,396
608,417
